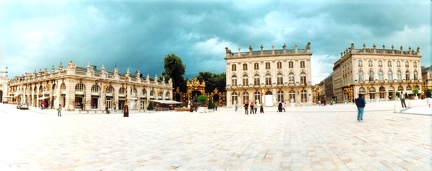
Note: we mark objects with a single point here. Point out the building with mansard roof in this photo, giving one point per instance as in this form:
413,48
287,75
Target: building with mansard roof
87,88
269,76
377,73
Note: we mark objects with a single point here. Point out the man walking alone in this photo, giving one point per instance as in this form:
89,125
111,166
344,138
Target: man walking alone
59,111
360,103
402,99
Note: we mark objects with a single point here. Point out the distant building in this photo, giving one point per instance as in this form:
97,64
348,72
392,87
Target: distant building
88,88
325,90
269,76
376,73
427,77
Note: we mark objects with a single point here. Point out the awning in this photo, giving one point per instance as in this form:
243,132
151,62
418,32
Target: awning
166,101
41,98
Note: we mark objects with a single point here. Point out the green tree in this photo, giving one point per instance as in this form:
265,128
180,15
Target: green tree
202,99
175,69
212,81
415,91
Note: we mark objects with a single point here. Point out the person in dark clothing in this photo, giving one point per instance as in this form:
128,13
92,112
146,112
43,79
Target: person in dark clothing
402,99
246,106
106,110
280,106
360,103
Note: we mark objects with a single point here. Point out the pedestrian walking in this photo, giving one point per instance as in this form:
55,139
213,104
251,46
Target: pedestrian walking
283,106
106,110
402,100
235,107
251,108
279,106
428,97
262,108
360,103
59,110
255,107
246,107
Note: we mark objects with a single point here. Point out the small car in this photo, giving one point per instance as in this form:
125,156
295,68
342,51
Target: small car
22,106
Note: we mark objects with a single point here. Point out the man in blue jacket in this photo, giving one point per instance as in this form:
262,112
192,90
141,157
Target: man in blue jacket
360,103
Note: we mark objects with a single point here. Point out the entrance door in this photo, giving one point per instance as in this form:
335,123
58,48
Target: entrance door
109,103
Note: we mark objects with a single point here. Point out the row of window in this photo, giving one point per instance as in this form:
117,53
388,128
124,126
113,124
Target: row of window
96,89
382,91
257,96
267,65
389,63
268,79
389,75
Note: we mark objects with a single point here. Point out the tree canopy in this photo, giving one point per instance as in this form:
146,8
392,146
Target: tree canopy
212,81
175,69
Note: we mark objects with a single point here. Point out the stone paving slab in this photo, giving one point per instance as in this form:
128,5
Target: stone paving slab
302,138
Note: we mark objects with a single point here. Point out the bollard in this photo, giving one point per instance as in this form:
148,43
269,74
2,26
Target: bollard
396,109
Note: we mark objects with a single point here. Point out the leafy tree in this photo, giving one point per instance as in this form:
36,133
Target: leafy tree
212,81
398,94
202,99
415,91
175,69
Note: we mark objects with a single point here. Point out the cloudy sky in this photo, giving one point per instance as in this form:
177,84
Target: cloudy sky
138,34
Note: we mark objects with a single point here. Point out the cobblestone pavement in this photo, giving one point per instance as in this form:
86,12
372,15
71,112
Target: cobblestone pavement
302,138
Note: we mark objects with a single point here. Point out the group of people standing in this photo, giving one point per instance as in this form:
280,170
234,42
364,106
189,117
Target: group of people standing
253,108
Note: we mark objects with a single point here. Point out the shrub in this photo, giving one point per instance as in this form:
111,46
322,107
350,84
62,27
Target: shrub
202,99
150,106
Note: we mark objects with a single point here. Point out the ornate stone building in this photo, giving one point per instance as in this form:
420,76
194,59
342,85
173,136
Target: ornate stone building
88,88
376,73
427,78
269,76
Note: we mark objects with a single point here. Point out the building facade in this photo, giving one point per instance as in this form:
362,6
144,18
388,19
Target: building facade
427,79
88,88
269,76
325,90
376,73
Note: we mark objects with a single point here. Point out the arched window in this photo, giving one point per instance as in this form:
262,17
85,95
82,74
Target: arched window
257,96
406,64
407,75
245,97
371,75
389,63
122,91
361,76
372,92
415,64
360,63
291,64
382,92
380,75
302,78
303,96
400,88
398,63
292,96
256,79
362,90
291,78
379,63
399,75
279,78
234,80
280,95
95,89
268,79
390,75
144,93
415,75
302,64
370,63
245,80
79,87
234,98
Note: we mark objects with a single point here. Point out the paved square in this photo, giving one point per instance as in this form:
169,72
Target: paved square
302,138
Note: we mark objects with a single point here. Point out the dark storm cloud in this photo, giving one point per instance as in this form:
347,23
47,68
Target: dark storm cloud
137,35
